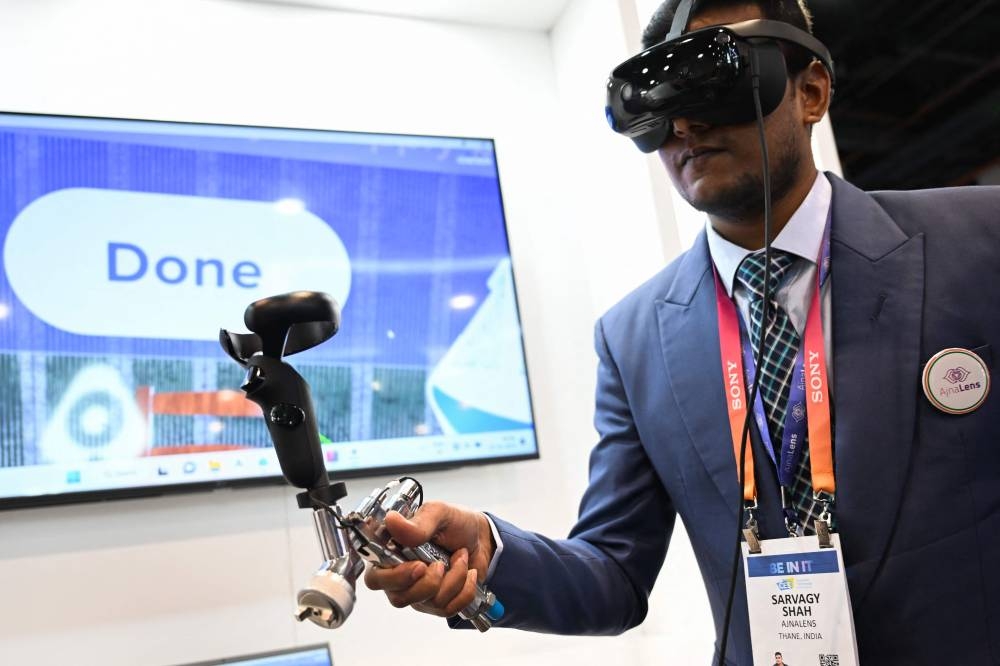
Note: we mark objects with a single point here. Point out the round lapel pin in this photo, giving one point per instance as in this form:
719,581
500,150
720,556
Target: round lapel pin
956,381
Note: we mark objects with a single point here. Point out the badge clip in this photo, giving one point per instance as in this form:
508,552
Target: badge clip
822,524
750,528
792,525
823,534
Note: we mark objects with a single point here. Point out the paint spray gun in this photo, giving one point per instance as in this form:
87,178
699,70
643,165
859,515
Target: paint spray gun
281,326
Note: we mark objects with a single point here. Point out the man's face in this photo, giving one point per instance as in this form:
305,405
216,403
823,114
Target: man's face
717,168
778,660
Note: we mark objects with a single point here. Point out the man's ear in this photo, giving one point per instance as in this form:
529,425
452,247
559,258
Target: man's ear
814,88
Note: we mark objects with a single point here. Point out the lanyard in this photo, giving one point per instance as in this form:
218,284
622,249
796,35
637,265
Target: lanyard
809,385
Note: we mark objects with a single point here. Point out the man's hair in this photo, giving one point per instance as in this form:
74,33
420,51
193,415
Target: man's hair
777,654
794,12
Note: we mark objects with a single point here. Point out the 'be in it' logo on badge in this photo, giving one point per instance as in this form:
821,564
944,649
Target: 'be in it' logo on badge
956,381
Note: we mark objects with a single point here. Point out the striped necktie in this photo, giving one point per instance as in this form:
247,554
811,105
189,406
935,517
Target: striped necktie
781,343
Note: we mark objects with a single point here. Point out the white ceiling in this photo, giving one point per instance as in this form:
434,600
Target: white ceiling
523,14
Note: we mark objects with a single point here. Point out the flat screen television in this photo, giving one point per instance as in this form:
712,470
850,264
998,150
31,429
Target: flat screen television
311,655
127,244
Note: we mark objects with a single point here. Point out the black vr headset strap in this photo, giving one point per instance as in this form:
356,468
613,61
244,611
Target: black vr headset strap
681,19
765,28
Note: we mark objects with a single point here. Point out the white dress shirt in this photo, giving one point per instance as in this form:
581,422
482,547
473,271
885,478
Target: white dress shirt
801,237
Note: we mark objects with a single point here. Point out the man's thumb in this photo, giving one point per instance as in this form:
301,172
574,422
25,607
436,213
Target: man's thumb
427,522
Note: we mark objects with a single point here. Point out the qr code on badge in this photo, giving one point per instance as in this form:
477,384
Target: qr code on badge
829,660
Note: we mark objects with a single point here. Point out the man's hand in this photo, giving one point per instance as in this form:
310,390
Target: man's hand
430,589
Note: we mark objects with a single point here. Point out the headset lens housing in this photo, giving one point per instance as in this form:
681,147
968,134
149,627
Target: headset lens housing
702,75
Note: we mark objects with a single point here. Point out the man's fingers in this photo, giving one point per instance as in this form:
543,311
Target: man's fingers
429,589
464,597
395,579
422,590
454,579
458,604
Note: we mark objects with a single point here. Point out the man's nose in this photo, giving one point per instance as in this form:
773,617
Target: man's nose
685,126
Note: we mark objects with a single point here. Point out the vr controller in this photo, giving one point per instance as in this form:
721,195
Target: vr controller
281,326
705,75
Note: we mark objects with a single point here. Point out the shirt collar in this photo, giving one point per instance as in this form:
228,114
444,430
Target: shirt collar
802,236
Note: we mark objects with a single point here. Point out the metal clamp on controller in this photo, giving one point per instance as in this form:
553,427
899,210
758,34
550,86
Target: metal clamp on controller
281,326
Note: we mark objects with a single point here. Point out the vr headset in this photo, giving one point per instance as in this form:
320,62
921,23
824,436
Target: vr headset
705,75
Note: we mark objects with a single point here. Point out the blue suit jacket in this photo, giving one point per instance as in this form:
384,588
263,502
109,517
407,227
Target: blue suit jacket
918,501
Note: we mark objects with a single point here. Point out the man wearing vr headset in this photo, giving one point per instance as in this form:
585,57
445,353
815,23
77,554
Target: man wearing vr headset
918,481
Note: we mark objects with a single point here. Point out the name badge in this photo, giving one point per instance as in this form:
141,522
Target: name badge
799,603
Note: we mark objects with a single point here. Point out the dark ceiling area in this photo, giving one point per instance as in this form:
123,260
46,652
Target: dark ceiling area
917,101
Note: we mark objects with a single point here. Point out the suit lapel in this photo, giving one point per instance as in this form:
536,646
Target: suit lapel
689,338
877,302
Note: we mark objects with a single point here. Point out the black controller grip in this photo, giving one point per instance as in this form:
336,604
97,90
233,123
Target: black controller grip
286,402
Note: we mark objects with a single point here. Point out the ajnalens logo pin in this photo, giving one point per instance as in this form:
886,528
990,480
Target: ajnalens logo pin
956,381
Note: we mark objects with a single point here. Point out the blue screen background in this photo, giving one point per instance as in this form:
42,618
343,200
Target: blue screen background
421,219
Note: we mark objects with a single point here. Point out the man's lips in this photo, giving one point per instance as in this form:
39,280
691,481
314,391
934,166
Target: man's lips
698,152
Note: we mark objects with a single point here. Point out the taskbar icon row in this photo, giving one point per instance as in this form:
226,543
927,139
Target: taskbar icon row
249,463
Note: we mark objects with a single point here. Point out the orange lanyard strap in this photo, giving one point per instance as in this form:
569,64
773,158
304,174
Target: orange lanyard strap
733,380
818,402
813,374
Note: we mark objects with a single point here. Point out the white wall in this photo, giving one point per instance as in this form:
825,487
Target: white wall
162,581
